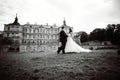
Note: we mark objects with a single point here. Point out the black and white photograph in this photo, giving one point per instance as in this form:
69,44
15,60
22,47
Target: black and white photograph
59,39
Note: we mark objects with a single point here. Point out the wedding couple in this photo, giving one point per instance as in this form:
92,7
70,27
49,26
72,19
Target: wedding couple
67,43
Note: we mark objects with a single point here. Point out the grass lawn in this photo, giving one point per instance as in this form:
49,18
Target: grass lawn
96,65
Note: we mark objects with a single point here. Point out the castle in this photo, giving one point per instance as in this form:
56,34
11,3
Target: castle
34,37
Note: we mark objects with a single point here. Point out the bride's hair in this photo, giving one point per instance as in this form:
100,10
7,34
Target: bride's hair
70,30
62,27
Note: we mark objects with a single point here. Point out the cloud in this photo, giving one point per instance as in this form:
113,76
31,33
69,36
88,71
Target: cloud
117,3
81,14
62,5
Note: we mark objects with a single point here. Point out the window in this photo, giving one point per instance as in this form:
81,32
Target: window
34,31
37,30
33,36
7,34
25,30
29,36
8,28
30,30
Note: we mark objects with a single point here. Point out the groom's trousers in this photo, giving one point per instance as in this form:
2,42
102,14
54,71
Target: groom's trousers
62,47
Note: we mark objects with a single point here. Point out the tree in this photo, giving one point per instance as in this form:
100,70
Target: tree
98,34
5,41
116,36
109,32
113,33
84,37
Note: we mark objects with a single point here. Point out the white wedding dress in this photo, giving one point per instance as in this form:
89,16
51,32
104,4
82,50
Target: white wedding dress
72,46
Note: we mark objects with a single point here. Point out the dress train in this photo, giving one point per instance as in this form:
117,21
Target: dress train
72,46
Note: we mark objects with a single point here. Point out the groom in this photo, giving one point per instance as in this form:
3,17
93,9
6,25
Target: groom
63,39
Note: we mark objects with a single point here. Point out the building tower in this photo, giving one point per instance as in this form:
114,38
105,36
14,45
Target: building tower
64,22
14,31
16,20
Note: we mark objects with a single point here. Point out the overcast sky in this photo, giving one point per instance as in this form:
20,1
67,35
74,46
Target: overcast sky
83,15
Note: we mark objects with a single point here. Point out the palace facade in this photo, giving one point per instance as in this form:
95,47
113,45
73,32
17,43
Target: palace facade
34,37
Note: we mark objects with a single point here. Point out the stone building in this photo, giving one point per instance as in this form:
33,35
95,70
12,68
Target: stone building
34,37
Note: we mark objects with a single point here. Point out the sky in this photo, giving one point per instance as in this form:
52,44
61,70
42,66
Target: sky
82,15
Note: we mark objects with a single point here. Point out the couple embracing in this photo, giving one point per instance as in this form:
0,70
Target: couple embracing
68,44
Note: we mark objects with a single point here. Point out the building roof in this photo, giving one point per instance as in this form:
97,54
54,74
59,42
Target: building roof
15,21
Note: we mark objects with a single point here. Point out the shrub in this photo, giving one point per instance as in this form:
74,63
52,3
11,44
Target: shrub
91,48
118,52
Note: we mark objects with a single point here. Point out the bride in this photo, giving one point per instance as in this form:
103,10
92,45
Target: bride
72,46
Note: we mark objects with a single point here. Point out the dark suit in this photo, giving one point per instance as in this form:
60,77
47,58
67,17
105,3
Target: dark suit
63,40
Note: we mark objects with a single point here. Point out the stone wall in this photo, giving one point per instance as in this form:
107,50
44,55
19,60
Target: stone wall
37,48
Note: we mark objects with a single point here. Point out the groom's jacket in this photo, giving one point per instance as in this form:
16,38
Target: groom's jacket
63,36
